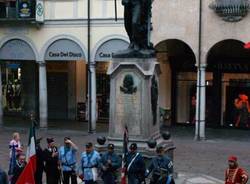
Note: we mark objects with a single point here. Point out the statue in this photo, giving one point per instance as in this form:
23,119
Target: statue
137,20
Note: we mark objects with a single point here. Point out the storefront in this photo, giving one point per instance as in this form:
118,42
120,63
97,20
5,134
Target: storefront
102,58
66,78
19,78
177,89
228,65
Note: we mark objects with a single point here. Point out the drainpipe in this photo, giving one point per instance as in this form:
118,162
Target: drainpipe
89,76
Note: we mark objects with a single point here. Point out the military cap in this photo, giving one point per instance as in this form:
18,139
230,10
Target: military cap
50,140
232,158
111,146
133,146
159,149
89,145
66,138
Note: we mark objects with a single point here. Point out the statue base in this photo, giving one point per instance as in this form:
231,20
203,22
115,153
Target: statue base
134,103
132,53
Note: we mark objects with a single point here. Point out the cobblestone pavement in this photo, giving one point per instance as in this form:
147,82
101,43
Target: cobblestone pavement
206,157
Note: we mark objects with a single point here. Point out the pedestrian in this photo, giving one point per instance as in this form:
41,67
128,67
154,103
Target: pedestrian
19,167
135,166
109,164
90,160
161,167
67,157
39,162
235,174
51,162
15,143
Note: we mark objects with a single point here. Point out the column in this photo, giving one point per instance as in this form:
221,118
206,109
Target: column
1,99
43,106
200,103
93,97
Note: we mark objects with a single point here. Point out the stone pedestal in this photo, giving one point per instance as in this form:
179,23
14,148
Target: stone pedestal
134,86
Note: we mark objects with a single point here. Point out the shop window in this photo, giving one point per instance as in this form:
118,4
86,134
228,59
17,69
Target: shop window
12,87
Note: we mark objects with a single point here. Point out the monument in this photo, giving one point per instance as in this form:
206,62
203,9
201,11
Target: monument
134,79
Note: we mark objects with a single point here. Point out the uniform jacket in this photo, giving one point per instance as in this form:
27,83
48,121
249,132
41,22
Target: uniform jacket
51,163
137,168
88,162
160,162
67,158
236,176
115,160
17,172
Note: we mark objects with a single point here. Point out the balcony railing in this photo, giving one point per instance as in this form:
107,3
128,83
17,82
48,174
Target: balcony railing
19,10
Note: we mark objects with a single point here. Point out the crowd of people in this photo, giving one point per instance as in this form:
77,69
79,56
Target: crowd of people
60,165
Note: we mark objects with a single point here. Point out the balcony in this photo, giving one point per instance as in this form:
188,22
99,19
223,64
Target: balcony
14,11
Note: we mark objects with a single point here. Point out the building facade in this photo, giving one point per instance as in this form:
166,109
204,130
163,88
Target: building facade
45,68
203,40
44,57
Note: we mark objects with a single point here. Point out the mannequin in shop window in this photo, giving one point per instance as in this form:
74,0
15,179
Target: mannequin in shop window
17,94
9,95
242,105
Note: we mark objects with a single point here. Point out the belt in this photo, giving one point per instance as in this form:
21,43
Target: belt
68,165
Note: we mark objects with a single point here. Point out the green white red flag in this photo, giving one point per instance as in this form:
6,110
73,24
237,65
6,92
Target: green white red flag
28,174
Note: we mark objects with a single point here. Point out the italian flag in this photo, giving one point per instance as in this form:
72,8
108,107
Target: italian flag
28,174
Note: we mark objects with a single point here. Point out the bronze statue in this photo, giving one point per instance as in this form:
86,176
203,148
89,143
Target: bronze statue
137,20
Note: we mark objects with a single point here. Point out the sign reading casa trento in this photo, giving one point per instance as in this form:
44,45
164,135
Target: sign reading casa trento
108,48
64,50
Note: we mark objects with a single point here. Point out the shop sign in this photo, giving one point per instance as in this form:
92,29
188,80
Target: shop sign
108,48
64,50
24,9
39,11
64,54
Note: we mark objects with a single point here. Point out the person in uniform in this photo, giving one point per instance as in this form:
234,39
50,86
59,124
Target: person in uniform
234,174
135,166
39,162
51,162
90,160
110,163
67,157
19,167
161,167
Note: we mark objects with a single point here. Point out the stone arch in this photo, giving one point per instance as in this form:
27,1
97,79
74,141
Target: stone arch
175,48
24,42
104,40
53,40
